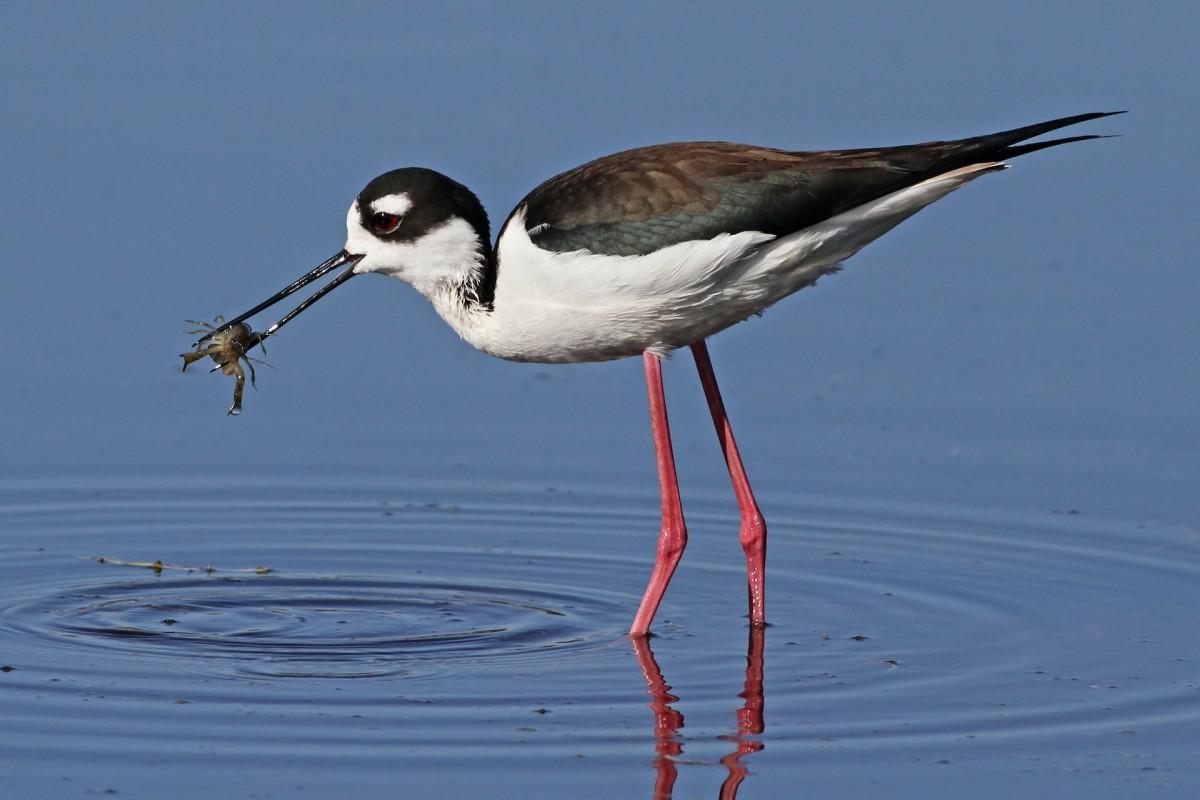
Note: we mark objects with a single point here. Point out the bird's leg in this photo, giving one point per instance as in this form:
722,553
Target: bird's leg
753,532
673,537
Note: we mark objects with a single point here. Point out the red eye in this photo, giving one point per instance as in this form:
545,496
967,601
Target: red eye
383,223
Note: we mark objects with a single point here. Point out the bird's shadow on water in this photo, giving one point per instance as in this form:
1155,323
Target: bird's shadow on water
668,721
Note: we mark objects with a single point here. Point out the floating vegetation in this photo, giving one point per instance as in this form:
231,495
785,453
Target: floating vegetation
160,566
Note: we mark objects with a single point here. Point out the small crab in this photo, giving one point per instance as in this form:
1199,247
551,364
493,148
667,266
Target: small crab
227,348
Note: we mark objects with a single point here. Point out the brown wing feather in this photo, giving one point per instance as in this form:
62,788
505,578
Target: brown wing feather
638,200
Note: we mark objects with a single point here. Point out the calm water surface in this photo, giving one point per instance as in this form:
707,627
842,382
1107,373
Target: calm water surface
469,641
919,428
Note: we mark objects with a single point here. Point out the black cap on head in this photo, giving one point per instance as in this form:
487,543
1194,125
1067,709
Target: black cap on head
435,199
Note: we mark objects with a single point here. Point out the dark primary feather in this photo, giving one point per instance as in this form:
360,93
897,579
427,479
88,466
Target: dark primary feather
637,201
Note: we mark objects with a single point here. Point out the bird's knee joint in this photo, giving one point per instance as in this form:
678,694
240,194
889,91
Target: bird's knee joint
753,531
672,541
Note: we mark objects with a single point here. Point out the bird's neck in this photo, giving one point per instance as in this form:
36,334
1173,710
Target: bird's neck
460,283
464,299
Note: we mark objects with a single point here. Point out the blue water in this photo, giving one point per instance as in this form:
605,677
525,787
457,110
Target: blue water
468,640
976,447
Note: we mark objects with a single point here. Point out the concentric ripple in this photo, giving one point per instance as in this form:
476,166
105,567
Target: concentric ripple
479,622
318,627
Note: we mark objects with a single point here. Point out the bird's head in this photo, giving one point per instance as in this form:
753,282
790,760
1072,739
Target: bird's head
414,224
420,226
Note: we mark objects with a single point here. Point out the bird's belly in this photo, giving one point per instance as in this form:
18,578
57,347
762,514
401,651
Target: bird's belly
566,333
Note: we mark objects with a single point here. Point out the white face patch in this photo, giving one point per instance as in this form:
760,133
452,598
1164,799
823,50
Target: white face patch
397,204
445,255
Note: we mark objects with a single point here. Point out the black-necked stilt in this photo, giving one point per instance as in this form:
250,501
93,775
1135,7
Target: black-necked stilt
646,251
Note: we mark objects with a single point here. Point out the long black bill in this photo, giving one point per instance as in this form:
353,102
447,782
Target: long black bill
340,259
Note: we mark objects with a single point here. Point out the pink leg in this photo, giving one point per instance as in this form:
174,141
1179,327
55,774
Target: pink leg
753,532
673,537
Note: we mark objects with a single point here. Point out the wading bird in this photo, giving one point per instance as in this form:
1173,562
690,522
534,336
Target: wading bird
645,251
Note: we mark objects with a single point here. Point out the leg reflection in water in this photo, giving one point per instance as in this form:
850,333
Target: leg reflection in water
668,745
749,718
667,721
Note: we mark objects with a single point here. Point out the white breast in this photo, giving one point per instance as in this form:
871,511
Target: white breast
582,306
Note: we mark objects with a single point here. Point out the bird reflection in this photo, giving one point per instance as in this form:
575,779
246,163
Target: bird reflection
668,745
667,721
749,717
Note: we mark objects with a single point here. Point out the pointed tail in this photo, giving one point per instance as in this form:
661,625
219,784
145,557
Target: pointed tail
1006,144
